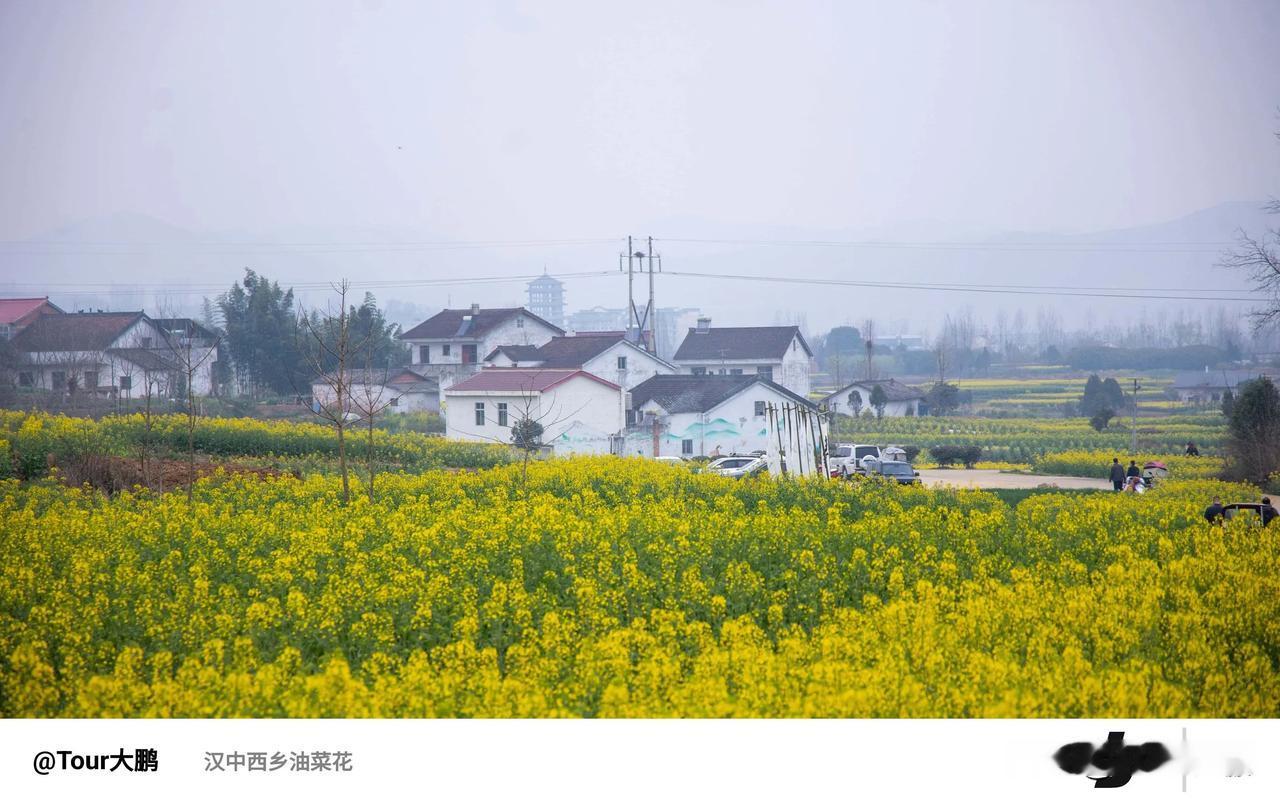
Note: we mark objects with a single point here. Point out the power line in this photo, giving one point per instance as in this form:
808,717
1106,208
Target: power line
115,288
980,288
20,248
998,247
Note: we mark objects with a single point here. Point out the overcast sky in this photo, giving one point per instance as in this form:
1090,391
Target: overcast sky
511,120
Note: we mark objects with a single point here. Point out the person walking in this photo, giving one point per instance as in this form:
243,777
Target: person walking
1117,474
1133,470
1269,512
1214,513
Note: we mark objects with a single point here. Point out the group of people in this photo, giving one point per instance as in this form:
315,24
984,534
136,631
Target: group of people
1217,513
1126,480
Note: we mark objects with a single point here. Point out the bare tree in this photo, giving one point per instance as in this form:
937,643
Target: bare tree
179,345
370,398
330,352
1259,258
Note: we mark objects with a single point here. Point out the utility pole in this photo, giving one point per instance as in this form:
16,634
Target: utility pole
1133,425
637,323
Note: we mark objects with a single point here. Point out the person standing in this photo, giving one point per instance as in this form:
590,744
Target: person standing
1192,450
1117,474
1133,470
1268,511
1214,513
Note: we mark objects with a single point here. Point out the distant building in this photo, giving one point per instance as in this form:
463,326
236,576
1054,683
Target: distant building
546,299
393,391
579,412
670,323
450,345
123,354
1209,386
904,341
605,354
777,353
902,400
18,313
702,415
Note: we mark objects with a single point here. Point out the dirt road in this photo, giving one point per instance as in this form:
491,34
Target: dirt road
994,479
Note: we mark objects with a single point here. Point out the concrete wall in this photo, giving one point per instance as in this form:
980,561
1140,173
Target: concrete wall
577,416
733,426
641,366
380,396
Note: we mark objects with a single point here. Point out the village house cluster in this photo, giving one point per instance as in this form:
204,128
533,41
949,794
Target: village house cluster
106,354
485,369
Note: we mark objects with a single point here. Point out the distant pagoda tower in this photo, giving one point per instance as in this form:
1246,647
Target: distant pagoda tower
546,299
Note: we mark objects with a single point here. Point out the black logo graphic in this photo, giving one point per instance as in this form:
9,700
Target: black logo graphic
1119,760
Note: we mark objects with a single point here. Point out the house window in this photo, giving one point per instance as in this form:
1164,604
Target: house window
424,354
622,362
126,382
699,371
765,372
91,379
26,379
146,342
686,447
395,402
59,381
735,371
759,408
480,413
444,350
502,414
519,322
469,354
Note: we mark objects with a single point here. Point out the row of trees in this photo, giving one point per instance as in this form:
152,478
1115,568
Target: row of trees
276,346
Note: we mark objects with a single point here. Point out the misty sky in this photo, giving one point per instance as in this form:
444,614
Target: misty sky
509,120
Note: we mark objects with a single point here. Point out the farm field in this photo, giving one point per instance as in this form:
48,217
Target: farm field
601,587
1022,440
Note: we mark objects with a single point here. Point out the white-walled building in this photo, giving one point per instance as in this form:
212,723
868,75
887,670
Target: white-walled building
902,400
579,412
451,345
393,391
705,415
124,354
605,354
776,353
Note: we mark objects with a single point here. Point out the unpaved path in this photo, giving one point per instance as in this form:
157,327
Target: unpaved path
994,479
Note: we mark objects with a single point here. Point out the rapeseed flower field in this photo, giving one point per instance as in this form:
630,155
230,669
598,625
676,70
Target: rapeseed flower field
619,587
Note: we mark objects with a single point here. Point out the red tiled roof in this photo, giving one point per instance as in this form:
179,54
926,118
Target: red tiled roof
514,379
13,310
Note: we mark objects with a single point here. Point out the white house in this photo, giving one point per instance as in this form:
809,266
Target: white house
124,354
777,353
194,344
393,391
606,354
579,412
902,400
451,345
702,415
1209,386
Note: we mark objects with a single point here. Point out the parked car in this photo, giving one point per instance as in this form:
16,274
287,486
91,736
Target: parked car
847,459
739,465
1253,511
901,472
669,460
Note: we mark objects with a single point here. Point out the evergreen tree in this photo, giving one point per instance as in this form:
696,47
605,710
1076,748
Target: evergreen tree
879,400
1113,394
1228,403
262,335
1253,446
1094,399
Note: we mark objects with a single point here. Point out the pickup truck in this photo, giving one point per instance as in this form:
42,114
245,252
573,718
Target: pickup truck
846,459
